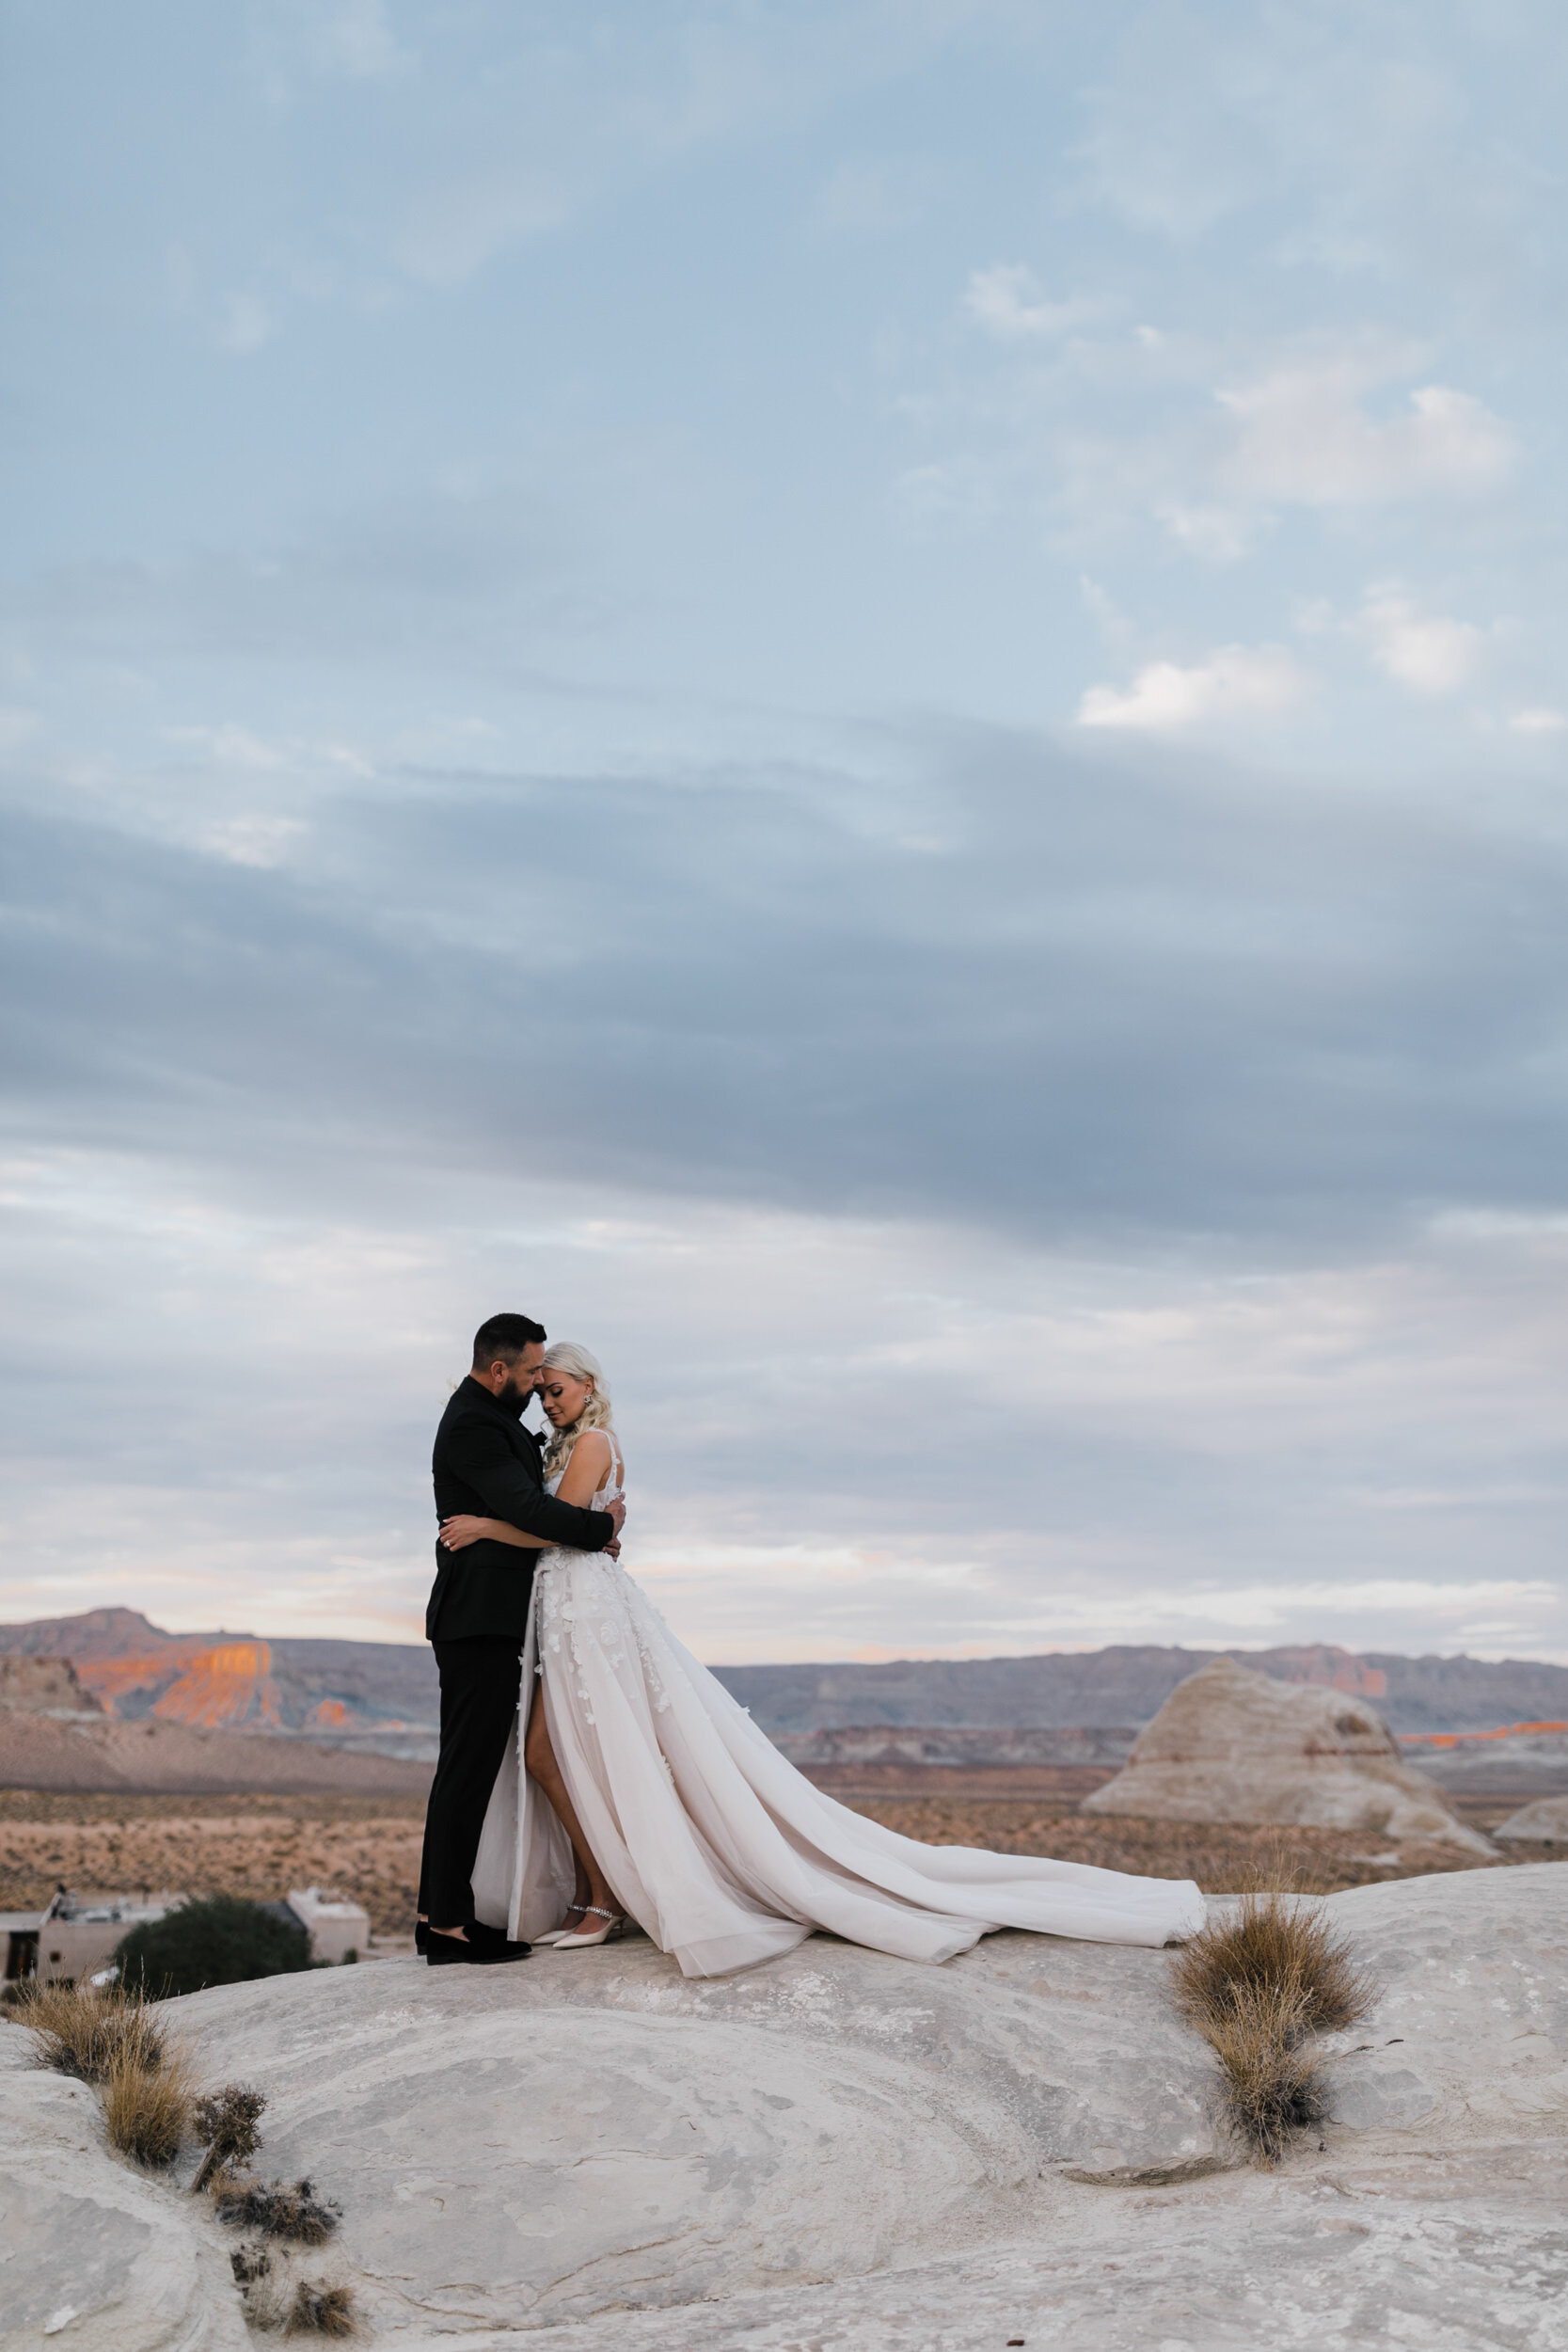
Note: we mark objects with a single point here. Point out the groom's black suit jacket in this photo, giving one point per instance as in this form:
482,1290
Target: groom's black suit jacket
485,1462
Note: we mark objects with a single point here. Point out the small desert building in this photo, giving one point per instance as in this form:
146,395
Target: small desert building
77,1933
336,1929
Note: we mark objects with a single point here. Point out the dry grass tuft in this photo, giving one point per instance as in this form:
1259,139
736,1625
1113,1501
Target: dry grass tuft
321,2310
147,2112
113,2040
279,2209
1274,2086
1279,1869
78,2029
1256,1985
227,2121
1277,1949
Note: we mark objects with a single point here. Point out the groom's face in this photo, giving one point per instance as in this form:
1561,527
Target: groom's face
522,1379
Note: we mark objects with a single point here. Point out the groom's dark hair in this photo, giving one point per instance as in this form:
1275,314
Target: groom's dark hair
504,1339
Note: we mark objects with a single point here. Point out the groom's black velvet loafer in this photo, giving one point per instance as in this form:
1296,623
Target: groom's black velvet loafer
496,1940
458,1951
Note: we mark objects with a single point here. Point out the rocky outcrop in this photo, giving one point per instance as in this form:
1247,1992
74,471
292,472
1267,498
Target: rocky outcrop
43,1685
1543,1823
845,2151
93,2253
1234,1746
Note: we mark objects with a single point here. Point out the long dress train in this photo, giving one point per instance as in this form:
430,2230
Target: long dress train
712,1841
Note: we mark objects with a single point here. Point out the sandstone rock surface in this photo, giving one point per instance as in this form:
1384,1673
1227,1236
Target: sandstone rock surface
95,2256
1232,1746
1544,1823
848,2152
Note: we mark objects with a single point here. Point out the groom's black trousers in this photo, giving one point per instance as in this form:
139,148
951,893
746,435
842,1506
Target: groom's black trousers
480,1683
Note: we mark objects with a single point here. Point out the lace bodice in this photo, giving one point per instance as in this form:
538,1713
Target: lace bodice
612,1490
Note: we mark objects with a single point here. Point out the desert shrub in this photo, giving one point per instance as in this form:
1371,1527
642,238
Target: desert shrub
1274,2086
220,1940
77,2029
226,2120
321,2310
1271,1945
147,2110
1256,1985
279,2209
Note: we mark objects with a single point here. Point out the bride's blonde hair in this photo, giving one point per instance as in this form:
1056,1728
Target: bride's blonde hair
565,1356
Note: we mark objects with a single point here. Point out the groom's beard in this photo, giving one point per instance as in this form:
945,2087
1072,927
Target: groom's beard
513,1399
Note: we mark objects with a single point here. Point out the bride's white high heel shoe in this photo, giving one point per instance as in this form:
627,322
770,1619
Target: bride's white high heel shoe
555,1934
613,1927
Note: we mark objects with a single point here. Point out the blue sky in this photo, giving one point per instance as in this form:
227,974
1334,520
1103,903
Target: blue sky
867,702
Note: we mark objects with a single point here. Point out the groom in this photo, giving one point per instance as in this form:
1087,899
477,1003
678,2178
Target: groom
485,1462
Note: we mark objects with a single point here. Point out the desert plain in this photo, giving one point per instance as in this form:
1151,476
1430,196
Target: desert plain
367,1847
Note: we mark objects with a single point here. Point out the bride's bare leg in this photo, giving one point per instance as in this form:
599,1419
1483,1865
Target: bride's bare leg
539,1755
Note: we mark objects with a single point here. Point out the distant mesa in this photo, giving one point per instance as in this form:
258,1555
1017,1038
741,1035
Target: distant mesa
1128,1682
1031,1716
54,1735
378,1697
1229,1745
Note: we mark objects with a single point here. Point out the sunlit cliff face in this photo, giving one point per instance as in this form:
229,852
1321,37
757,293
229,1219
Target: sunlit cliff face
224,1687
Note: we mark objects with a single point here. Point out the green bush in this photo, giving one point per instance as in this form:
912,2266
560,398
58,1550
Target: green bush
221,1940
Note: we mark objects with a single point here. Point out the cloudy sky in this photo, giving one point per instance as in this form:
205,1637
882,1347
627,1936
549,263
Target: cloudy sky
865,699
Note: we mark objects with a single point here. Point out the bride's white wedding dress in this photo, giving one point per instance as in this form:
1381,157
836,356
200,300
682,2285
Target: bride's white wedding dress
713,1843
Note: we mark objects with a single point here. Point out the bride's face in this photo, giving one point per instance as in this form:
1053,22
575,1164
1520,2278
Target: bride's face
564,1397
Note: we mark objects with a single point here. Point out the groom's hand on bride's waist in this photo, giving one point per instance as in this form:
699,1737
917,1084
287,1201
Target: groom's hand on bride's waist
617,1511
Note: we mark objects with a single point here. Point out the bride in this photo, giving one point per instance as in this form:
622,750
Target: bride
644,1791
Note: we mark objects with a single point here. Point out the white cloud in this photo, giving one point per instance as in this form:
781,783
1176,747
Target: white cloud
292,41
457,230
1539,720
875,195
354,39
255,840
1303,433
1008,302
1429,653
233,746
1217,533
248,323
1235,682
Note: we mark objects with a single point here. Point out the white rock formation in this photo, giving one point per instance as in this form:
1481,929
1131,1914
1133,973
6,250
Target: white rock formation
847,2152
1543,1823
93,2253
1232,1746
